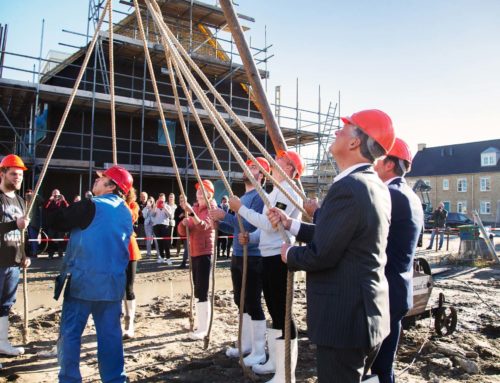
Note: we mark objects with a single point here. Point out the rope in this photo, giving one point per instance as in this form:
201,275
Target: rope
238,121
210,109
246,371
169,144
198,177
26,331
49,157
112,84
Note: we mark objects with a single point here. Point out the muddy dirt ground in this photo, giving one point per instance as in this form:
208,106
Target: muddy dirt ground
162,352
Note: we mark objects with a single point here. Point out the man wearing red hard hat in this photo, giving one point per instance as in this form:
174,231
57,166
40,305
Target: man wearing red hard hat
347,291
13,221
407,220
97,257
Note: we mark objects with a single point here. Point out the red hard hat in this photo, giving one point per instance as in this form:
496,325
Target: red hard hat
207,184
296,158
376,124
262,161
120,176
400,150
12,161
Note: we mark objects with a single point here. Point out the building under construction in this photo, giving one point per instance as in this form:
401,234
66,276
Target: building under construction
31,111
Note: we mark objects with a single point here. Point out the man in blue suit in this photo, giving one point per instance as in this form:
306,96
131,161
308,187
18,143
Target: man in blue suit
407,219
347,291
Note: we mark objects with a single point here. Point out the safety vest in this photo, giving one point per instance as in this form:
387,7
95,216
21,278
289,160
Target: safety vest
97,256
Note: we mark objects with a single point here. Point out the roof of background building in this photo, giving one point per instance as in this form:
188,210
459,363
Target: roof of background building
454,159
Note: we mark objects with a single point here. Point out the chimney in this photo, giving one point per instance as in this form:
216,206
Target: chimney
421,147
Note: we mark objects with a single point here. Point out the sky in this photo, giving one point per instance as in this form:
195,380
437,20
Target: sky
432,65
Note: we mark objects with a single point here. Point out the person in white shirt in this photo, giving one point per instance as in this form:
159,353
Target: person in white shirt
148,227
274,272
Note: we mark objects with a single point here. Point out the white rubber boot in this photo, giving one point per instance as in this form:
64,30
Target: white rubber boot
203,315
246,339
5,347
269,367
279,375
129,332
258,354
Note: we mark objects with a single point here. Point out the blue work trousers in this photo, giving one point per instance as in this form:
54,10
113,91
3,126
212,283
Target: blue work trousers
106,317
9,279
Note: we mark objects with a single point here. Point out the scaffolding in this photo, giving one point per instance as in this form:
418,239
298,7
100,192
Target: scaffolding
201,28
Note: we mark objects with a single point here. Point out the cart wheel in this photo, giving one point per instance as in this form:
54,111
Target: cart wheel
445,321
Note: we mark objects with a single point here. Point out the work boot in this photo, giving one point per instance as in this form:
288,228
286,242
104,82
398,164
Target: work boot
246,339
203,318
5,347
269,367
279,375
129,330
258,354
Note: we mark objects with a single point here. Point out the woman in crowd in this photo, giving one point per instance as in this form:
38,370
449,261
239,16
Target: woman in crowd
161,214
172,223
201,243
148,226
135,255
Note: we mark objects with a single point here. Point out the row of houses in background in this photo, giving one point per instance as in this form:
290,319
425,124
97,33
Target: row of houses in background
465,177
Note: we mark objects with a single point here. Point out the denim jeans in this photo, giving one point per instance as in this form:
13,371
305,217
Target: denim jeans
9,279
441,237
33,245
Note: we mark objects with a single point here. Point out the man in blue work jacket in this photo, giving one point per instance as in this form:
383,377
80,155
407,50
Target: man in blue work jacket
97,257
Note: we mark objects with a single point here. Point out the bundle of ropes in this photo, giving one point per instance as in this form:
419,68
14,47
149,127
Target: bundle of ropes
180,68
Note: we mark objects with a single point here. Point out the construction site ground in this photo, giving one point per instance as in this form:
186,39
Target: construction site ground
162,352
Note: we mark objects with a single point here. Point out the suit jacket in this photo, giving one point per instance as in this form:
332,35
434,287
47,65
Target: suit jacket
347,292
407,219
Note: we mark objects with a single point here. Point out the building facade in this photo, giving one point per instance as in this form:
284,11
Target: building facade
465,177
30,112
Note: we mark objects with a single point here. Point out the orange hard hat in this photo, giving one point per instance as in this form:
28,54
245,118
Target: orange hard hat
12,161
262,161
120,176
297,160
400,150
376,124
207,184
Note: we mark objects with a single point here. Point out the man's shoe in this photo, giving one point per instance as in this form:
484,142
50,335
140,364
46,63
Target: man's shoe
429,248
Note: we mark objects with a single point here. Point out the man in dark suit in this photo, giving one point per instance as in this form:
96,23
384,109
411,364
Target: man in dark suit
347,292
407,219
